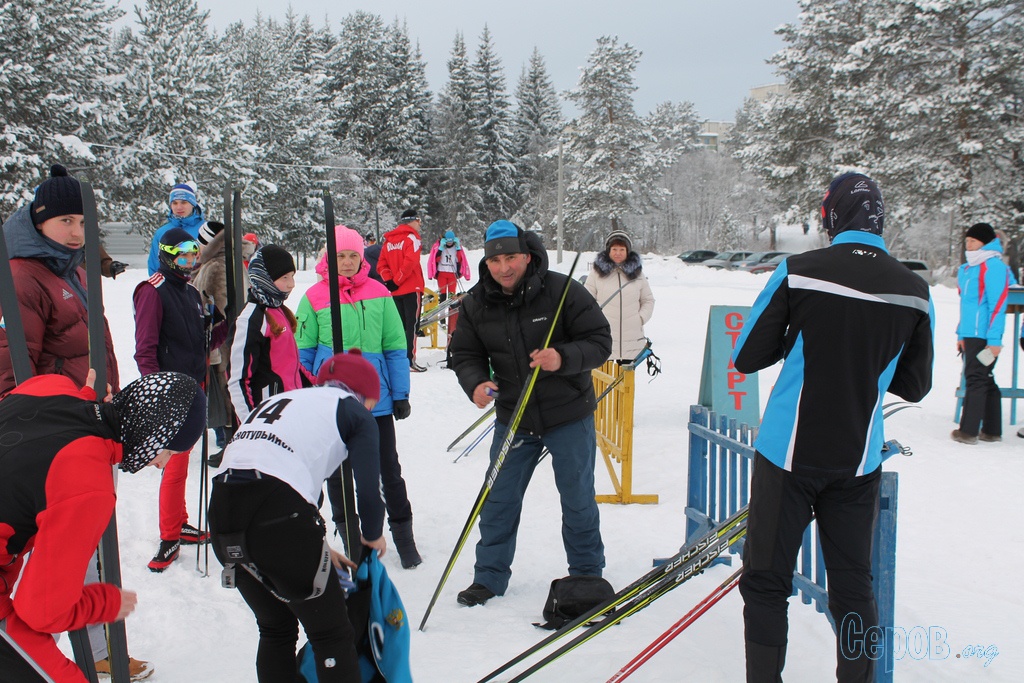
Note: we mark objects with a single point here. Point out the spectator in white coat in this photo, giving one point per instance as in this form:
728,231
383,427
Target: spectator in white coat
618,283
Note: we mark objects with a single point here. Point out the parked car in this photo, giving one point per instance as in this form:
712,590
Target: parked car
758,258
921,268
696,256
726,259
769,265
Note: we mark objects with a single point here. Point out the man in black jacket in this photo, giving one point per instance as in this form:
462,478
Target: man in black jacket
852,323
502,325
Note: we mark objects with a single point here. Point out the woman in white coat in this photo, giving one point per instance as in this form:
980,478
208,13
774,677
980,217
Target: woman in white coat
620,287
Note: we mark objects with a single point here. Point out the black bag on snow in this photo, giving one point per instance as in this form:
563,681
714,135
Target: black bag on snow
574,596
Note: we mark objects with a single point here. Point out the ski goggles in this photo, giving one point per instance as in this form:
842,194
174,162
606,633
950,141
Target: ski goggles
189,247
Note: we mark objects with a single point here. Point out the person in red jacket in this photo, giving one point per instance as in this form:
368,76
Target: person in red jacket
57,447
399,267
46,244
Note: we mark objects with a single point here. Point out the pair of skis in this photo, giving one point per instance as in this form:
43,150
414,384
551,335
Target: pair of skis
110,559
234,276
690,561
442,311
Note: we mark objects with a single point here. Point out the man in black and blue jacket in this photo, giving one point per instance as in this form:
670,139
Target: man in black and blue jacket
852,323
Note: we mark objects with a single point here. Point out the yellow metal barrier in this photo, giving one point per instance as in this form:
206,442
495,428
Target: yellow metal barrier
613,421
429,304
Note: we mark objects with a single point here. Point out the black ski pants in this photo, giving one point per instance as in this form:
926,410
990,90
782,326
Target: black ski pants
982,409
408,306
781,506
284,536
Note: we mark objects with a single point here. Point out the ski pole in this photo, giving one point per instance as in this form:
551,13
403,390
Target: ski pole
665,638
351,531
479,421
203,521
506,445
475,443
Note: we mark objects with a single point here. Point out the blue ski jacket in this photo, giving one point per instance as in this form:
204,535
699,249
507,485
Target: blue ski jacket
983,291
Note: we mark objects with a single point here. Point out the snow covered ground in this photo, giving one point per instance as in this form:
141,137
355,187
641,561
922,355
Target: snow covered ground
959,529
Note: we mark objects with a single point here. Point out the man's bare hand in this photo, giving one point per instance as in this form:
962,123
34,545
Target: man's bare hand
548,359
484,394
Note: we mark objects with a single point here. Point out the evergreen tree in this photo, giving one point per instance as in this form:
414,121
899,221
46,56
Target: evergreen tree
280,92
491,120
379,101
674,127
410,108
537,125
182,121
925,97
615,158
53,92
455,191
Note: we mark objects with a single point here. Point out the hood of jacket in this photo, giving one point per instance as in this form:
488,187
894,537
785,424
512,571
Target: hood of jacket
631,267
25,241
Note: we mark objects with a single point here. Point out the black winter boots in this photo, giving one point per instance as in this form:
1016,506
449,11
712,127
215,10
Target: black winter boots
405,544
764,663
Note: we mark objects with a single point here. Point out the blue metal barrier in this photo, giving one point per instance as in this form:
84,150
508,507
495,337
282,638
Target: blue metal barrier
718,485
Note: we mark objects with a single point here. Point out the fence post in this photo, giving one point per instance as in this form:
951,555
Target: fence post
883,568
697,475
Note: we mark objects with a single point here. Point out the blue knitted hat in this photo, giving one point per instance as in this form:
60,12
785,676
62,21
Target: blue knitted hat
503,237
186,191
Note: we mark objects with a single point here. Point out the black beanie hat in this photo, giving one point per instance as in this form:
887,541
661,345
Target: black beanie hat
983,232
58,195
852,202
277,261
409,215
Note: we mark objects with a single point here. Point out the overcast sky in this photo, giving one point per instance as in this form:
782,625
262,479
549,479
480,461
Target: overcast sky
702,51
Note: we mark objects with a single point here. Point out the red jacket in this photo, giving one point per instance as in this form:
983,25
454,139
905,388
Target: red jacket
400,260
56,327
56,499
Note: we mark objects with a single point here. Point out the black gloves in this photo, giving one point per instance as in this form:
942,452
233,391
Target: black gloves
391,285
116,268
402,409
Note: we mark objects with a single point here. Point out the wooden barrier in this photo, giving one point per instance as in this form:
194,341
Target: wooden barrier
613,421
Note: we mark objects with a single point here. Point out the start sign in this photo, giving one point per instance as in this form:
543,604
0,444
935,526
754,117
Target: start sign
723,388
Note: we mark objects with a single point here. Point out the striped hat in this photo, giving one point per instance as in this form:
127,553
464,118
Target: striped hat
186,191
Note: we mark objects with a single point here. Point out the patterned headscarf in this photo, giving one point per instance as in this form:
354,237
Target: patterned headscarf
154,409
262,284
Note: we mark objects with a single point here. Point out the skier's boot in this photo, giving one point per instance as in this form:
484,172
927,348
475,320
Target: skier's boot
405,544
477,594
765,662
165,555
